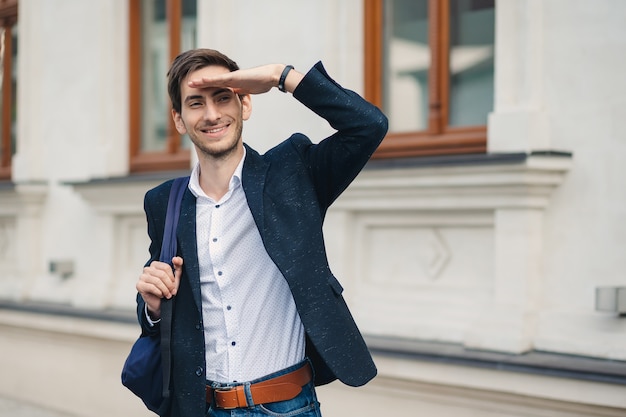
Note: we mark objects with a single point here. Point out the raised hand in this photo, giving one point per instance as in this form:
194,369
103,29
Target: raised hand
256,80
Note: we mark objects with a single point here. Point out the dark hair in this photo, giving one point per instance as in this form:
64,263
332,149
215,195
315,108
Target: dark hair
188,62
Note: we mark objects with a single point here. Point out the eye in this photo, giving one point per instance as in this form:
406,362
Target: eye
195,104
223,98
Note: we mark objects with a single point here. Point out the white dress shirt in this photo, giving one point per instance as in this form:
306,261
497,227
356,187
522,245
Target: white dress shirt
251,325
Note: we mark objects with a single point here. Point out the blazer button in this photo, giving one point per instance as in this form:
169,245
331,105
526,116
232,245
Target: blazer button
199,371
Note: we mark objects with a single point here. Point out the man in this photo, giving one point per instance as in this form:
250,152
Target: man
258,317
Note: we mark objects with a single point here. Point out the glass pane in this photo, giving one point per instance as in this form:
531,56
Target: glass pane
188,25
155,116
188,41
406,59
154,64
472,25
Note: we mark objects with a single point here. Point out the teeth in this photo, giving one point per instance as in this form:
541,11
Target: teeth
215,130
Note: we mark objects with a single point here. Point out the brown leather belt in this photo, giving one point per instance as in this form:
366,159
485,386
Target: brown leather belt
281,388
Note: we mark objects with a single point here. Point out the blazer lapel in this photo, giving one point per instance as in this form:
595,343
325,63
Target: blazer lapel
186,235
253,182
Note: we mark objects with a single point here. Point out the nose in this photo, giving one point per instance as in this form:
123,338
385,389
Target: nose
212,112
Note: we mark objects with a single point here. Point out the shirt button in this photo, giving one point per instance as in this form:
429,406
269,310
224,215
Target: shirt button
199,371
233,343
198,327
214,239
219,273
217,206
228,307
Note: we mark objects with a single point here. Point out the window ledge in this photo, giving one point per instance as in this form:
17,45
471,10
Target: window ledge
121,195
459,182
22,198
483,159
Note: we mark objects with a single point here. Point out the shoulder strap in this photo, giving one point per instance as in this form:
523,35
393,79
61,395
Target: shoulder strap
168,251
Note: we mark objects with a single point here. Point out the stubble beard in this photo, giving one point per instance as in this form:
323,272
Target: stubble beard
218,152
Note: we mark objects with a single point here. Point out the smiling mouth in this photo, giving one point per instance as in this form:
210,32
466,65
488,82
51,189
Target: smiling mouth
214,130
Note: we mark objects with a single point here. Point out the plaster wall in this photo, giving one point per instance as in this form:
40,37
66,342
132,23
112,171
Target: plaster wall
585,236
296,33
72,126
559,87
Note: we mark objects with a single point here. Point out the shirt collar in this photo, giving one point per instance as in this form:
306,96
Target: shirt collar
235,180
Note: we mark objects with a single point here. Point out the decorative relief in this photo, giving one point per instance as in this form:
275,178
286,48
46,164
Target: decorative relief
433,258
433,253
428,274
424,248
407,254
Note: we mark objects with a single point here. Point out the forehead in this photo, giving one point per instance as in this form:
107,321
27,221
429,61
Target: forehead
205,72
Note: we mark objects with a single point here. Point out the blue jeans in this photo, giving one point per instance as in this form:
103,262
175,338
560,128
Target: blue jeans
304,405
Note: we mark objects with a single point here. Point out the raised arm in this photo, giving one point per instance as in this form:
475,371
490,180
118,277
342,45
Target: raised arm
257,80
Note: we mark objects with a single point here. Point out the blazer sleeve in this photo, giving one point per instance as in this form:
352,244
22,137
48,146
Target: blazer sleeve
154,207
335,161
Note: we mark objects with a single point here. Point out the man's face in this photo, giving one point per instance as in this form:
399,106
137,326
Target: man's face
213,117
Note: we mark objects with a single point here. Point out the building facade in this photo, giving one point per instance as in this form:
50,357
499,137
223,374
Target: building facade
481,250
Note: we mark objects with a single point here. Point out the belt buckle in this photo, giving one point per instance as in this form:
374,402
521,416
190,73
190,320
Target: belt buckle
222,389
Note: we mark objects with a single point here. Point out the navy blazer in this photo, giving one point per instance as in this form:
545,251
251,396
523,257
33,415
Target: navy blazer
288,189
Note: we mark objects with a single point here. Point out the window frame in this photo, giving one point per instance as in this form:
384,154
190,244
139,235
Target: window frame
174,157
438,138
8,19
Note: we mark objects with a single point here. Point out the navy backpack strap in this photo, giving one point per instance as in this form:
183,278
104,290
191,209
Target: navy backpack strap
168,251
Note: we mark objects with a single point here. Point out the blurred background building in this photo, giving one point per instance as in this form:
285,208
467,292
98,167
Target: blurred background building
483,249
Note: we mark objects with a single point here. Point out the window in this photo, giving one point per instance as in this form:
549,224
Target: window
159,30
8,58
429,66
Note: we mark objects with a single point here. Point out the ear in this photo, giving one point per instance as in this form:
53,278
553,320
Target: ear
178,122
246,106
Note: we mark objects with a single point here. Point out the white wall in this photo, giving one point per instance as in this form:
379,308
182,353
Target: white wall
585,239
72,125
72,94
298,33
559,85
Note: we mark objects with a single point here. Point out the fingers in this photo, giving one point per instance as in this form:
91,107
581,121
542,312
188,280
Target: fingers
256,80
157,280
223,80
177,262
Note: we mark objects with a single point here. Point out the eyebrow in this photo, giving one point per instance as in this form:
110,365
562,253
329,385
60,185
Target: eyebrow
193,97
213,94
